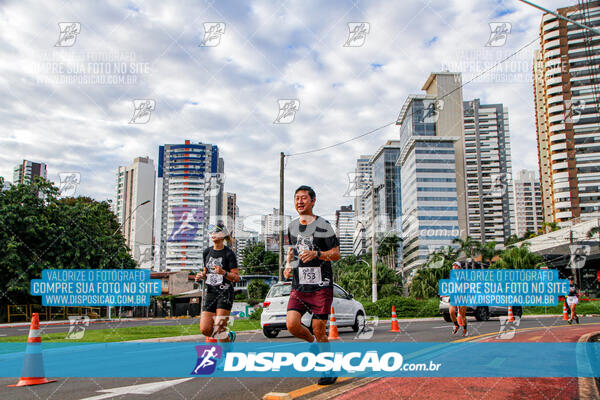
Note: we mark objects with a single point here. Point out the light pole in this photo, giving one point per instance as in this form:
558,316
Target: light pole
117,230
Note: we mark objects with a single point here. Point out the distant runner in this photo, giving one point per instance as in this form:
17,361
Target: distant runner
313,246
461,319
220,272
573,300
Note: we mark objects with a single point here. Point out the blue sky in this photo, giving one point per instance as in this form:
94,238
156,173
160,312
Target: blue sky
228,94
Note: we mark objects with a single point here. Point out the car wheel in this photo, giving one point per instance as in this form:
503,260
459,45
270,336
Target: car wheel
447,317
482,314
359,321
270,332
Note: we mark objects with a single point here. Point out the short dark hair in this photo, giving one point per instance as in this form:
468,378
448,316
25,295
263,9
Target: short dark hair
310,191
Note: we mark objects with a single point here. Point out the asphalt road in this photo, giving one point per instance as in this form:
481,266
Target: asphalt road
247,388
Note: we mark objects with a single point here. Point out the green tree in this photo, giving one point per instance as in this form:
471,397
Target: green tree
386,248
488,251
257,260
594,231
518,258
424,284
468,246
548,227
257,289
39,231
355,275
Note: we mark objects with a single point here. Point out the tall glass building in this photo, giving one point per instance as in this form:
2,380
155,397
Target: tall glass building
187,186
432,169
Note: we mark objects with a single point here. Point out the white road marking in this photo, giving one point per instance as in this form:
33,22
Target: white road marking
146,388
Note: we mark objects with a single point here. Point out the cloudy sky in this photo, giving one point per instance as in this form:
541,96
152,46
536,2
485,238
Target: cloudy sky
68,100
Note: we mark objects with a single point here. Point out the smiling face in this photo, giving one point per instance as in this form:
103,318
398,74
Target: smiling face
303,203
217,235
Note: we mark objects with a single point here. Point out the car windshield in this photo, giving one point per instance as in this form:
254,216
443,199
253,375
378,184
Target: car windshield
280,291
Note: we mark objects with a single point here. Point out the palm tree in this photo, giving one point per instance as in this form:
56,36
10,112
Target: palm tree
469,246
387,248
553,226
518,258
488,251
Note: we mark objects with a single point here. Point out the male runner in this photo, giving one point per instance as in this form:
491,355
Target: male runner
461,318
313,245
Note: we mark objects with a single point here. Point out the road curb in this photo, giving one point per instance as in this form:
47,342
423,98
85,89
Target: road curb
588,389
185,338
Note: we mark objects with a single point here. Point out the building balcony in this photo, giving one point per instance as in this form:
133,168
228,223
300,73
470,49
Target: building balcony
558,146
555,99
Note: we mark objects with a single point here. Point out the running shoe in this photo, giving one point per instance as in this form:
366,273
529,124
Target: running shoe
569,321
577,319
465,331
327,380
455,329
232,336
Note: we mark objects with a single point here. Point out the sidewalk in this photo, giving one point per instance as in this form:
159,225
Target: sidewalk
477,388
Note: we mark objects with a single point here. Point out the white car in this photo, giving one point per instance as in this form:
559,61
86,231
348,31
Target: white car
348,312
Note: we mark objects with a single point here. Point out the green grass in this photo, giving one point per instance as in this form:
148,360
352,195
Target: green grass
584,307
132,333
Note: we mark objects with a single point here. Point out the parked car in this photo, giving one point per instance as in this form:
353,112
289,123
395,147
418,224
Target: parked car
348,312
481,313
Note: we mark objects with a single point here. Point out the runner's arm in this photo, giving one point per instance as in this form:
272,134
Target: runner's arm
233,275
331,254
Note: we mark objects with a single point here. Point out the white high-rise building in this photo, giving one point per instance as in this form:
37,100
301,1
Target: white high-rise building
271,225
134,207
27,171
360,186
490,200
188,184
345,221
528,203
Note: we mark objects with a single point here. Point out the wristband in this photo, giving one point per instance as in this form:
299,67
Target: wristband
318,254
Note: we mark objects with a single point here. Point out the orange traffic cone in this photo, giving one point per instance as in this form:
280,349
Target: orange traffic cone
210,339
33,365
333,329
565,312
395,326
511,316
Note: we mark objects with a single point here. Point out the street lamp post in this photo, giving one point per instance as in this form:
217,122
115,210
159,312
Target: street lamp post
117,230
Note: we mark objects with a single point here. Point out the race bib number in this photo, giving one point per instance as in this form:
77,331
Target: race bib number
214,279
310,275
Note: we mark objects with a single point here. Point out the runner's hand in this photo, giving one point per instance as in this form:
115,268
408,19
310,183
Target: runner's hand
290,255
200,276
220,270
308,255
287,273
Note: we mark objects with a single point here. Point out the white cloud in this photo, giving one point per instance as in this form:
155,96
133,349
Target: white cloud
227,95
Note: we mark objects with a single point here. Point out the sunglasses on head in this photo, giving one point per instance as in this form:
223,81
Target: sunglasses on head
214,228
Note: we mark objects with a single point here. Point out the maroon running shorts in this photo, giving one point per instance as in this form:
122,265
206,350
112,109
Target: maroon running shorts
317,302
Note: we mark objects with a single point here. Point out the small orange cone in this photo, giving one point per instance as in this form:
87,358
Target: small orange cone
333,329
33,365
395,326
565,312
210,339
511,316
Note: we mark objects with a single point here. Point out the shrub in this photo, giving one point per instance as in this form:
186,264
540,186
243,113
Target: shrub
256,314
406,307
